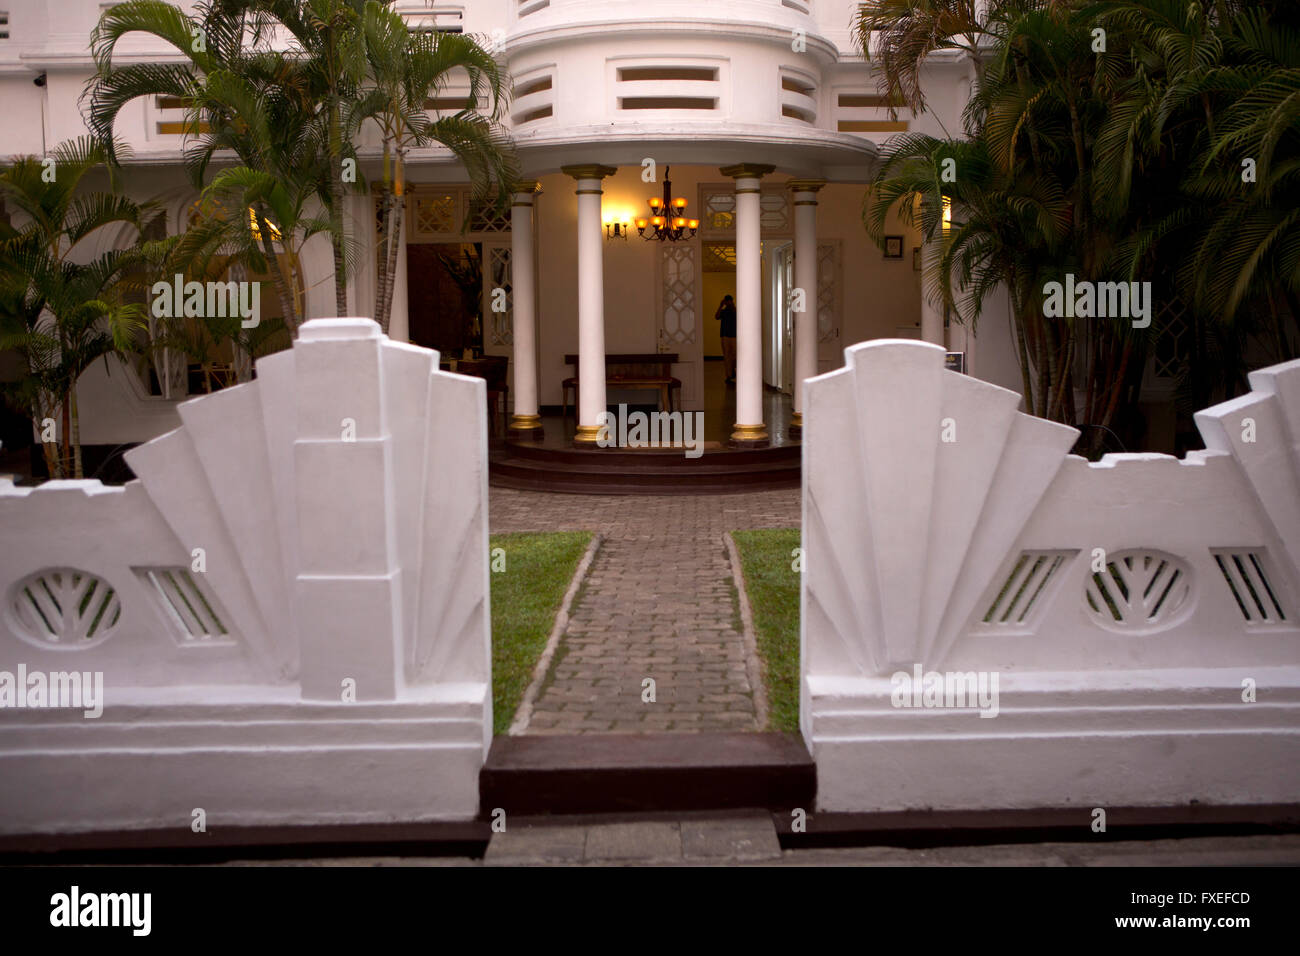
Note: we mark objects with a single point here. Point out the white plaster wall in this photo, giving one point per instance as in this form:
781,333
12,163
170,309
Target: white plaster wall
911,538
333,513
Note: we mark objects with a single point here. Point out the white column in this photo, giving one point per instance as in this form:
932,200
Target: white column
525,423
805,278
399,324
749,430
931,314
591,299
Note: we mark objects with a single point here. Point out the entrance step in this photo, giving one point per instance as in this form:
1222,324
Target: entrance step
639,773
710,839
537,467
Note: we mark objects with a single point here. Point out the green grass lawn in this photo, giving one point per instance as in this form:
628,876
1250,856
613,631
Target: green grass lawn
525,599
773,588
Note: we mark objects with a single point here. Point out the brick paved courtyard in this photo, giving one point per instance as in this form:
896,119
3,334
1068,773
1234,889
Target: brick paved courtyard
658,603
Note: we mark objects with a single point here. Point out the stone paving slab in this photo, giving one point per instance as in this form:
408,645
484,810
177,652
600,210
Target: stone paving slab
528,845
658,604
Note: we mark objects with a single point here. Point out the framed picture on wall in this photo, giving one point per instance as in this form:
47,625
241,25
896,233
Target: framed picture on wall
893,247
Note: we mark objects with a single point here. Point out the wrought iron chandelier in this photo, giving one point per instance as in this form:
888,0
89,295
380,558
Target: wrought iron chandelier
667,221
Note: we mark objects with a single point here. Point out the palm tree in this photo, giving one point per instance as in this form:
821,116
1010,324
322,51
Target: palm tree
331,53
240,96
61,314
406,71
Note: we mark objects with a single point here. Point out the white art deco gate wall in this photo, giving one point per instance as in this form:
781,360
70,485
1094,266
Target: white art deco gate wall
289,608
988,621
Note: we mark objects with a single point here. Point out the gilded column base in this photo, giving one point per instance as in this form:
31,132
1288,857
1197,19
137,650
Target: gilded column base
795,428
525,428
586,436
749,436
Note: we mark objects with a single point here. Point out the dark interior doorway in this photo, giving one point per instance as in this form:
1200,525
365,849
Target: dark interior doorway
445,294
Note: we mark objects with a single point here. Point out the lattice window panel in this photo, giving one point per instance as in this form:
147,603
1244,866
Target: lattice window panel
436,213
719,257
1139,590
719,211
1247,576
185,604
64,608
774,211
1173,343
827,290
1026,589
500,324
678,297
490,220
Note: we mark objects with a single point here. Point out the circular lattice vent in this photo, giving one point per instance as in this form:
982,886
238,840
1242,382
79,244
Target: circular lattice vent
64,608
1139,591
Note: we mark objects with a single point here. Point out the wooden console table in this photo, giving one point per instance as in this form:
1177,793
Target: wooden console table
631,370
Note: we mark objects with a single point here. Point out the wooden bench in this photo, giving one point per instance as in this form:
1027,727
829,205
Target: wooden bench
631,370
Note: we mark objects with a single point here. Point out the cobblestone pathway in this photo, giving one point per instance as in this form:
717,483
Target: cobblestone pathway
657,603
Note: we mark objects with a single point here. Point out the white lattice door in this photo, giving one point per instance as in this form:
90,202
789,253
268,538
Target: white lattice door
498,304
830,350
678,318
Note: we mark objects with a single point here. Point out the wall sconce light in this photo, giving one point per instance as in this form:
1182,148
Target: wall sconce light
947,215
616,228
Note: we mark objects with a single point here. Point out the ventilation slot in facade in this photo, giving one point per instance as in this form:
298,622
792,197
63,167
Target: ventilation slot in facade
532,6
531,87
1025,588
798,96
668,86
795,5
185,604
421,18
172,120
666,103
4,24
1246,577
697,74
447,104
533,98
868,113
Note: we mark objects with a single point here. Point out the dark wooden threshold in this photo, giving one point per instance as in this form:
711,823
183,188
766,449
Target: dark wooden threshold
917,829
636,773
222,844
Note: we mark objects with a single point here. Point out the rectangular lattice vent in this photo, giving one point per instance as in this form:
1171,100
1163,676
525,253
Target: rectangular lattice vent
185,602
1248,580
1025,588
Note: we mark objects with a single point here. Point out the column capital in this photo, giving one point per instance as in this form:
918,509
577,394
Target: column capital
589,171
746,170
524,192
805,185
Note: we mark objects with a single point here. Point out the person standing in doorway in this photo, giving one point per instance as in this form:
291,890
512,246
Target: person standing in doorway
726,314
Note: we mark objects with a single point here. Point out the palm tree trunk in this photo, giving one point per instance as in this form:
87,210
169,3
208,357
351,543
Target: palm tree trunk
65,446
336,210
399,216
76,433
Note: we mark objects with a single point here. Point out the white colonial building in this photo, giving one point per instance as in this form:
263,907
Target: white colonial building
762,114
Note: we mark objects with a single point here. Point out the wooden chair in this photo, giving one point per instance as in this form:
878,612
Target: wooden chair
495,370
